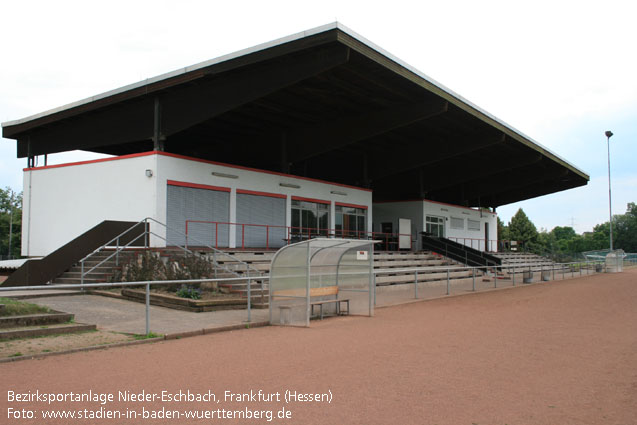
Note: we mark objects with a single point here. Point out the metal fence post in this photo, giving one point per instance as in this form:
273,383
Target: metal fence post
374,288
416,284
447,281
117,253
147,309
82,275
249,296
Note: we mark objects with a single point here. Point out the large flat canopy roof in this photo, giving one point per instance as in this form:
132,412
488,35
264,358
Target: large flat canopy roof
325,103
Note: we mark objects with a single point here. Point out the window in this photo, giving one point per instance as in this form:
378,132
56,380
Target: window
473,224
435,226
351,222
457,223
310,219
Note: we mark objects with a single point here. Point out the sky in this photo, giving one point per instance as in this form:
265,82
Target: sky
561,72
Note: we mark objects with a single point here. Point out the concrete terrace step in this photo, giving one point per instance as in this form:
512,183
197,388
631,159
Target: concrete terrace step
382,280
77,280
100,269
405,256
412,263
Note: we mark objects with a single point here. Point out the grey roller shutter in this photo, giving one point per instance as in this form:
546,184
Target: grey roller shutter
210,206
259,211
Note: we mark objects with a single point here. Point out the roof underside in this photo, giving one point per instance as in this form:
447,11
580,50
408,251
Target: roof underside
326,106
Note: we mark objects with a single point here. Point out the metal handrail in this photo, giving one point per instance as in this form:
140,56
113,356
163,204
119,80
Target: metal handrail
105,259
215,250
148,232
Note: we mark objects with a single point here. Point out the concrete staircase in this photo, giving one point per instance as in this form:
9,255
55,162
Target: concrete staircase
100,274
524,261
406,260
259,264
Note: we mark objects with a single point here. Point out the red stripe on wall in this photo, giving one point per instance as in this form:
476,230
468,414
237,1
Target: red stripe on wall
198,186
318,201
254,192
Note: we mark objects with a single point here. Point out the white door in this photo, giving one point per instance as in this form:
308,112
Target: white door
404,230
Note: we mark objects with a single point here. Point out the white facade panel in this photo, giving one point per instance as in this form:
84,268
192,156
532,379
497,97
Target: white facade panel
473,237
62,202
417,211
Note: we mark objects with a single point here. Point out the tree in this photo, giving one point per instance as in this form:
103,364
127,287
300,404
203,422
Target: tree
10,222
625,229
521,229
563,233
503,231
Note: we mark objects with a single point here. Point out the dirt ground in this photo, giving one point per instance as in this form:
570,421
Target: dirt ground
553,353
53,343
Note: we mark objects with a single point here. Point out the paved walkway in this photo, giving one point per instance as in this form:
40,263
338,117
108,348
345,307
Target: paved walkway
129,316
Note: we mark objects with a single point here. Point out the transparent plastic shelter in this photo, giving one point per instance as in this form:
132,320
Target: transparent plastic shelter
337,273
615,261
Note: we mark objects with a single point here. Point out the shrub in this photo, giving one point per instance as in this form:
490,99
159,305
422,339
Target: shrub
151,266
186,291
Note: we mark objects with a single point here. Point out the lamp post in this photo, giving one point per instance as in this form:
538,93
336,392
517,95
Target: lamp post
10,224
609,134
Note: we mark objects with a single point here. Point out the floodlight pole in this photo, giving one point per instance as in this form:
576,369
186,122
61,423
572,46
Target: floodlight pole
9,256
609,134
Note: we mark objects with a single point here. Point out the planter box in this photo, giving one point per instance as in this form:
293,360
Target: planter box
186,304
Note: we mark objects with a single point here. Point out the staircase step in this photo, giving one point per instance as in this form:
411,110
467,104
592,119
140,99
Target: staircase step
77,280
92,275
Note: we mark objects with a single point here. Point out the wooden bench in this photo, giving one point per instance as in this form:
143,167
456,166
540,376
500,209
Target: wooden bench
325,291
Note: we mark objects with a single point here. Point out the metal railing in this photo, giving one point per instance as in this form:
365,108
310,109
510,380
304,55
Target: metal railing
527,271
482,244
146,222
291,234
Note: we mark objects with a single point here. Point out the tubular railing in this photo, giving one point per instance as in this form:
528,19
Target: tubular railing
459,252
476,243
565,268
292,234
146,234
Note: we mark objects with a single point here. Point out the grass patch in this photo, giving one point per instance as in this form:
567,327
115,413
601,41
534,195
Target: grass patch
18,354
144,336
20,308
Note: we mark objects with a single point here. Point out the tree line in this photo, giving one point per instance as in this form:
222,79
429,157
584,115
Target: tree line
563,241
10,223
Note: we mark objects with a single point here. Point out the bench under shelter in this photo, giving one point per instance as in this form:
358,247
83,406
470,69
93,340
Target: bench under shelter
321,277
